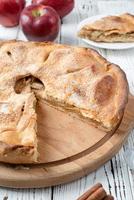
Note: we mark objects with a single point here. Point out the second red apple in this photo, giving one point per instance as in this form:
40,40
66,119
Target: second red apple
63,7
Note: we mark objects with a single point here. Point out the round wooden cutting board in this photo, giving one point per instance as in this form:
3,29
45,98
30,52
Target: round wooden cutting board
69,149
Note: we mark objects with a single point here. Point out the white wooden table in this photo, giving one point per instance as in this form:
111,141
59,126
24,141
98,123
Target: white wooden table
115,175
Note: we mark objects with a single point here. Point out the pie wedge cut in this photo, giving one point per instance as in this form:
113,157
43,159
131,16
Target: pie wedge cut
110,29
74,79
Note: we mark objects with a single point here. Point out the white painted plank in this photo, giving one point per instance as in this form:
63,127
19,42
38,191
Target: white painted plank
115,7
26,194
8,33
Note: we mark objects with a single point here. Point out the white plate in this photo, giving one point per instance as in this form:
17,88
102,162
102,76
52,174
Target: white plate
103,45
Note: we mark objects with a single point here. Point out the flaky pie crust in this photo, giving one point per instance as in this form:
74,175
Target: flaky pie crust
75,79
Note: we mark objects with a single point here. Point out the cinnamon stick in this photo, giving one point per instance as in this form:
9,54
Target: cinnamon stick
90,191
99,194
109,197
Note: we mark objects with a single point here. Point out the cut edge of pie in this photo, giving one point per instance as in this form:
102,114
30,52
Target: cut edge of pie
110,29
19,145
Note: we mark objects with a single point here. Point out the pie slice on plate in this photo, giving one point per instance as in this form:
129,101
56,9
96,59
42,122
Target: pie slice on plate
73,79
110,29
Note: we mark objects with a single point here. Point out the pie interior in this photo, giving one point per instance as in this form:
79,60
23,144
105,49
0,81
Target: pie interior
110,29
73,79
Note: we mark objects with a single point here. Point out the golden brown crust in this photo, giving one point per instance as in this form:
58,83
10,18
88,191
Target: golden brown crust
71,78
110,29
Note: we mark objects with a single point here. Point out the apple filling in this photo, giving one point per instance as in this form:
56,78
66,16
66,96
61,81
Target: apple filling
104,36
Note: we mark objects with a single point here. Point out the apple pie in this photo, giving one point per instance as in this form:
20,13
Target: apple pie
110,29
73,79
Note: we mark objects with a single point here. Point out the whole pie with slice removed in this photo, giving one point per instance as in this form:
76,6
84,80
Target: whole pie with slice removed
73,79
110,29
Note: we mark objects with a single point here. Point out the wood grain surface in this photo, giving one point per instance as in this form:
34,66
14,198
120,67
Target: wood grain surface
115,175
63,135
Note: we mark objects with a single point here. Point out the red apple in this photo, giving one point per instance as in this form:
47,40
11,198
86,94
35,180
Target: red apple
10,11
40,23
63,7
